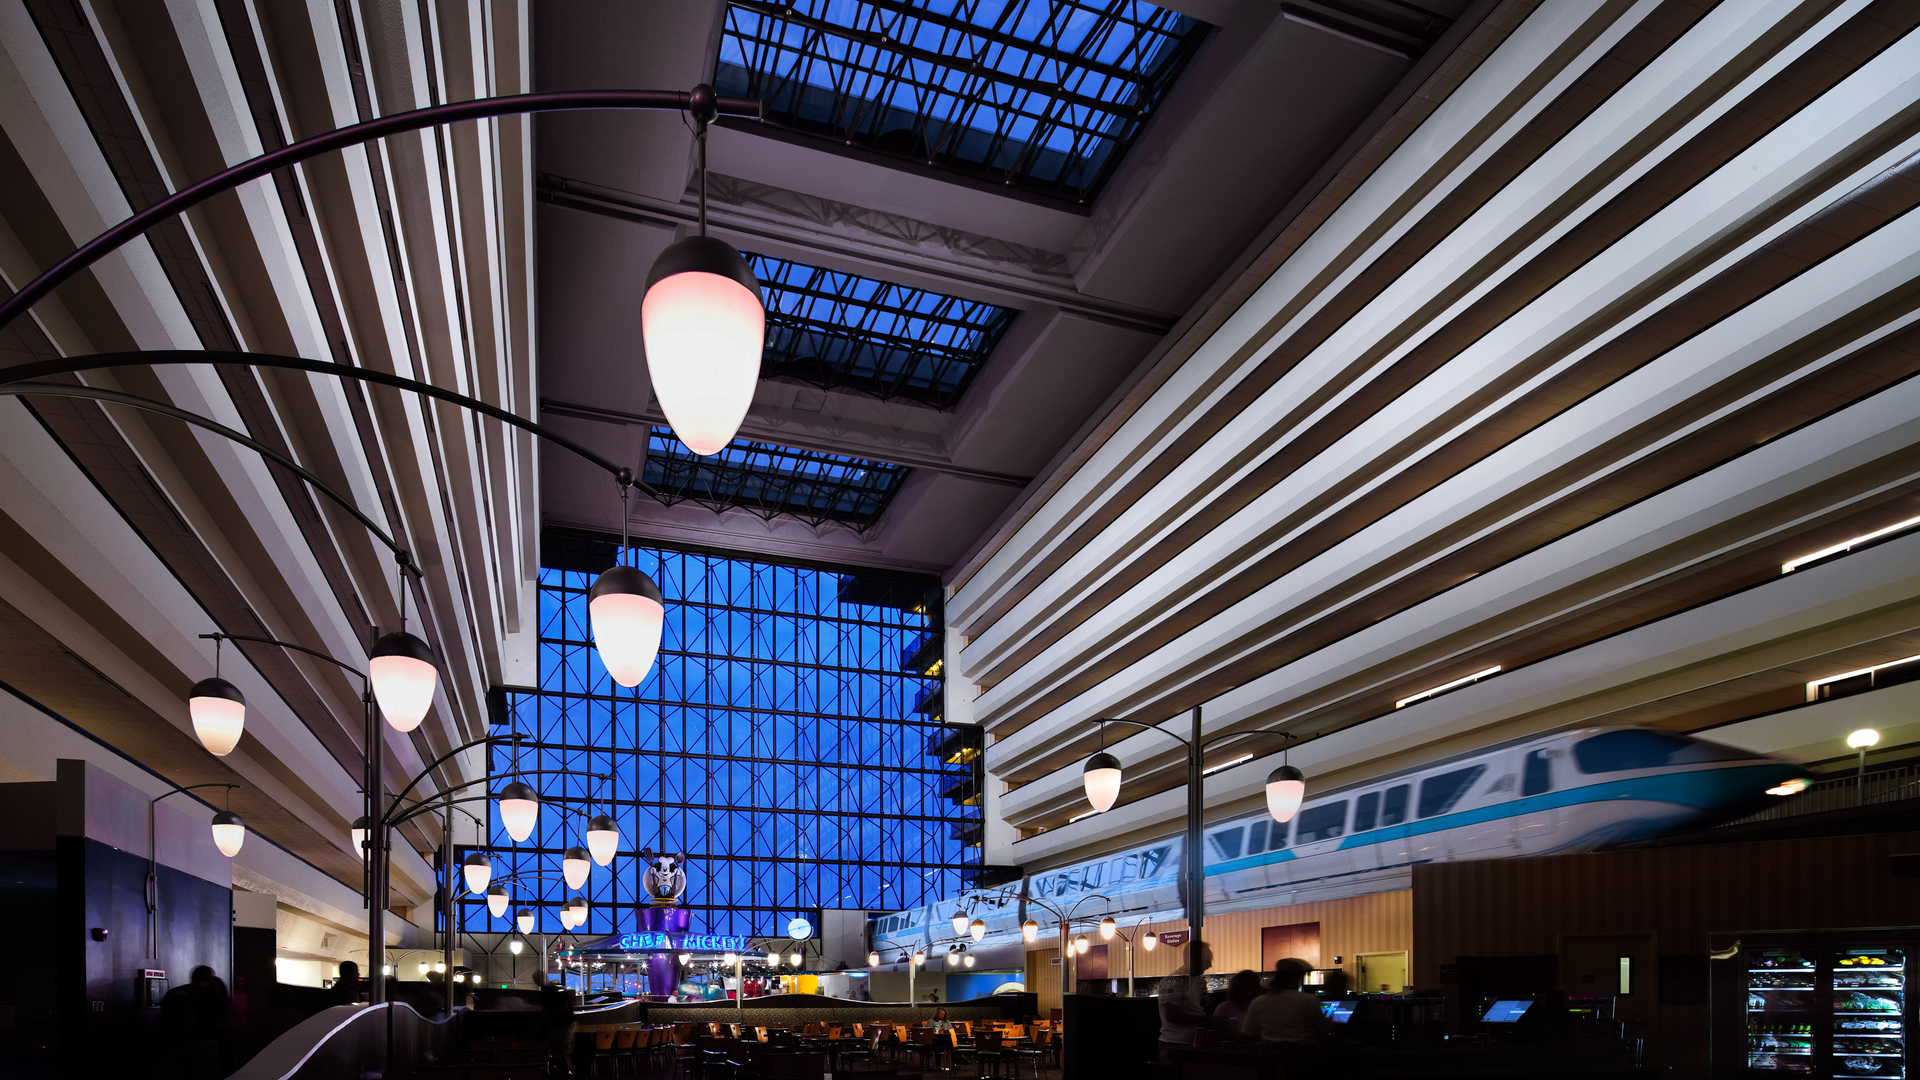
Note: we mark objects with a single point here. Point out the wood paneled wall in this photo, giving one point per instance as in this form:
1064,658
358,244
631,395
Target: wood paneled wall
1382,922
1526,907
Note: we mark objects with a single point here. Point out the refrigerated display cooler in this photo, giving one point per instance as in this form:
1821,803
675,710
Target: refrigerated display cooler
1831,1006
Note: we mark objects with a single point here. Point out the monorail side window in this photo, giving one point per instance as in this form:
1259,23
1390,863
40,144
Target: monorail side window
1257,837
1365,810
1537,778
1322,823
1394,811
1439,793
1226,843
1639,748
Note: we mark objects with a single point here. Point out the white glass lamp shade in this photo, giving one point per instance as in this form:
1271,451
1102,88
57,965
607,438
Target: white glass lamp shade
578,905
873,959
1859,740
219,714
524,920
575,864
686,958
1030,930
627,612
441,967
1286,786
423,967
1080,945
1107,928
566,918
519,810
497,900
229,832
773,959
603,839
478,870
704,326
978,930
404,677
919,956
967,959
959,923
1102,780
361,827
730,959
797,959
1150,941
513,946
386,969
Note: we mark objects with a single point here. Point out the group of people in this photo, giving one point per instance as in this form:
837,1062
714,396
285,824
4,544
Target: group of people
1279,1014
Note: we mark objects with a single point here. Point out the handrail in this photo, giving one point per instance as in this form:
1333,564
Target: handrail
286,1056
1897,784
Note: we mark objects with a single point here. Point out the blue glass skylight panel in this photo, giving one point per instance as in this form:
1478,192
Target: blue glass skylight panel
771,481
843,331
1042,95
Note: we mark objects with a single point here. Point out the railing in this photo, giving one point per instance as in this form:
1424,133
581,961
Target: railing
1842,793
345,1042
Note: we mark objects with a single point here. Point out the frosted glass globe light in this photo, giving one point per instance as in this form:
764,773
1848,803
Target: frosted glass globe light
967,959
497,900
478,870
978,930
1102,779
219,714
1286,786
873,959
524,919
1150,941
361,827
519,810
404,678
513,946
1107,928
1859,740
627,611
1080,945
959,923
229,832
797,958
575,864
1030,930
704,326
603,838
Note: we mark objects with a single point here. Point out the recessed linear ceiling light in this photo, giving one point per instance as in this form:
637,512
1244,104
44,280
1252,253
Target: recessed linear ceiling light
1039,97
1077,817
1226,765
1813,688
1444,687
1858,541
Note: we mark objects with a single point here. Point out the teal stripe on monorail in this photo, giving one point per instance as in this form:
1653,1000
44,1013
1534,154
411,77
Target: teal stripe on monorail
1701,789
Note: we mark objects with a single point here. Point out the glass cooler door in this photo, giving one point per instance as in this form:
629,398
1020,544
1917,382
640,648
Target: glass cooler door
1782,1016
1869,1013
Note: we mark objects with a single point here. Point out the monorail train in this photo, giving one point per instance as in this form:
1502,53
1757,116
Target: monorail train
1572,791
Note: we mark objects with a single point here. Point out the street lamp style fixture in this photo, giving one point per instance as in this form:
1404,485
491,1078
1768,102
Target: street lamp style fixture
1107,927
497,900
603,838
959,923
524,920
919,956
575,864
703,322
1149,941
626,610
1102,777
1030,930
798,958
218,710
404,675
519,810
362,827
1080,945
478,870
773,958
229,832
978,930
967,959
873,959
1286,786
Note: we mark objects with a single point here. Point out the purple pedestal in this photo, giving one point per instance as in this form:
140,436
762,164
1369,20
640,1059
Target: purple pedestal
663,968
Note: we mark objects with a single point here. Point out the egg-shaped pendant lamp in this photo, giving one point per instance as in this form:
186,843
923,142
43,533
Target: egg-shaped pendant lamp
1286,786
404,677
627,612
229,832
519,810
704,326
603,838
575,865
1102,780
219,714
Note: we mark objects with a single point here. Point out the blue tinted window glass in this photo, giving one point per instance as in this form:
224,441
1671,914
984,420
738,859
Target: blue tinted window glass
1321,823
1439,793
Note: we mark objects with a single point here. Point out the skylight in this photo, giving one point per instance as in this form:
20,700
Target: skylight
1041,95
771,481
840,330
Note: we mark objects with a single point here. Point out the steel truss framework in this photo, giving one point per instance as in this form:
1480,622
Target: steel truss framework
1041,95
842,331
771,481
775,743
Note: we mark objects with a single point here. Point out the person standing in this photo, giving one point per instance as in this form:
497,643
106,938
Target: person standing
1183,1000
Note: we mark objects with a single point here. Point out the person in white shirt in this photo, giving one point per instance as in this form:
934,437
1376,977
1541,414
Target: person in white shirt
1183,1000
1284,1014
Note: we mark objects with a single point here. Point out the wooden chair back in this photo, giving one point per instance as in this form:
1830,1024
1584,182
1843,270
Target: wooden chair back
625,1038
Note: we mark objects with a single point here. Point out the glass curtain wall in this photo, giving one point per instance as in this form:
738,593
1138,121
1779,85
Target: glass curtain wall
785,742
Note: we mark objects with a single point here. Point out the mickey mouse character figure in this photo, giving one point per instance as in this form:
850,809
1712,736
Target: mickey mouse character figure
666,876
